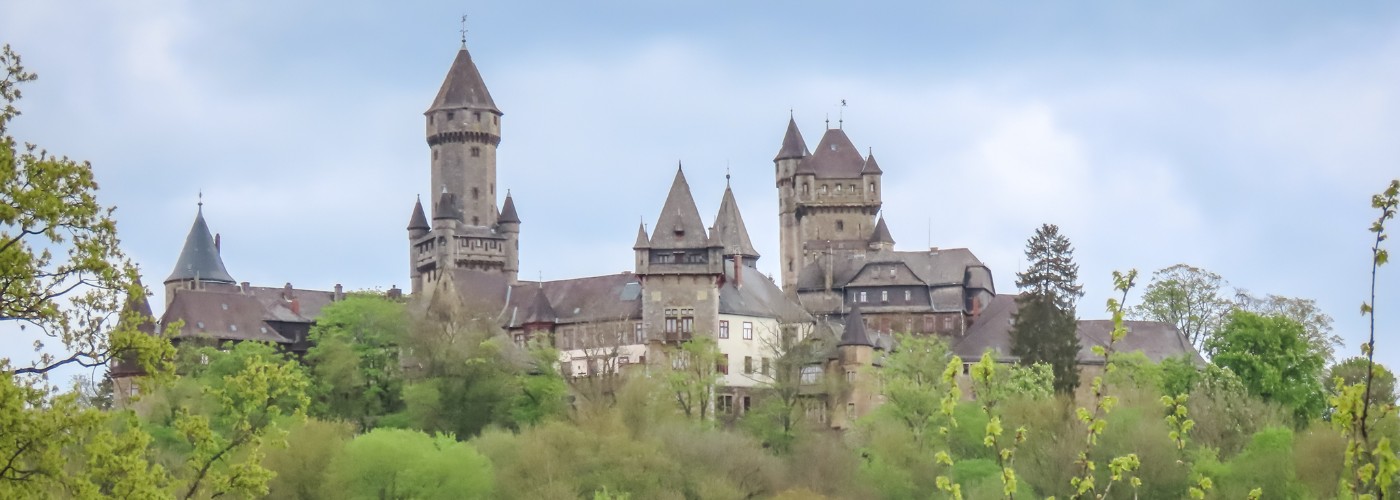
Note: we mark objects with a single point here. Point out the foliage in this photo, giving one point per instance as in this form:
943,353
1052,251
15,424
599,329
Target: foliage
404,464
1272,357
1188,297
542,389
301,464
354,359
1352,371
1317,325
777,417
1095,421
1266,464
460,380
921,395
693,376
1044,325
990,395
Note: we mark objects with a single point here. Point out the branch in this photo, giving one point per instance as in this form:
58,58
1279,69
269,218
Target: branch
75,358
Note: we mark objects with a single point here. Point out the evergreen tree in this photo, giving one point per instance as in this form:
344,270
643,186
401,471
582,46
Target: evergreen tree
1044,327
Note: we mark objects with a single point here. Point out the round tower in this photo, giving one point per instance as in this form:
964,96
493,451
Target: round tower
463,130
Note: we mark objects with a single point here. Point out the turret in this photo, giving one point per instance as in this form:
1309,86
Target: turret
509,224
785,165
880,239
199,260
736,247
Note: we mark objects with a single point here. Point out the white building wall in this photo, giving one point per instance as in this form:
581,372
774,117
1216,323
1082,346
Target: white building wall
759,347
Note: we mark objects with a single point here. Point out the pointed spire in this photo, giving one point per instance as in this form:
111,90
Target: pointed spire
793,145
200,258
418,220
540,311
882,233
679,225
871,167
463,87
447,207
642,242
508,214
729,225
854,333
835,157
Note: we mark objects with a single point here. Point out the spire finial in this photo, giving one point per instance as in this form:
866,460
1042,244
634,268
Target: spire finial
828,120
464,31
841,115
790,115
201,200
726,173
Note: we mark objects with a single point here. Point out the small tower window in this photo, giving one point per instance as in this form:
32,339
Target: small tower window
450,115
496,120
476,115
852,187
838,189
822,190
840,225
476,221
434,154
430,119
475,193
806,188
476,152
872,187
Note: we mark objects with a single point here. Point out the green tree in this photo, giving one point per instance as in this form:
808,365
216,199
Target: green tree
301,465
542,388
1353,371
1316,324
694,375
777,417
1273,358
1188,297
460,378
404,464
355,369
1044,325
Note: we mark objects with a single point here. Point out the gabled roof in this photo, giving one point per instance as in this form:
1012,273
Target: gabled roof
679,225
835,157
508,214
992,330
881,233
463,87
418,220
854,333
948,266
729,225
871,167
793,145
200,259
758,297
612,297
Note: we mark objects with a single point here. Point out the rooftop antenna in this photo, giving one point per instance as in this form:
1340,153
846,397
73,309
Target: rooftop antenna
841,115
464,31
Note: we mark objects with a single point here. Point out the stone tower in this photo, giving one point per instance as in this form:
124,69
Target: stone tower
827,200
467,230
680,267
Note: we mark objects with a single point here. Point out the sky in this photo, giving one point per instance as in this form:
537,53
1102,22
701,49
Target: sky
1245,138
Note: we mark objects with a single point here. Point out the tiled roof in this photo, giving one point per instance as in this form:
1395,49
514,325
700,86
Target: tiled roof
854,331
793,145
463,87
729,226
871,167
835,157
508,214
881,233
992,330
200,258
756,295
641,238
931,268
540,311
679,225
221,315
418,220
609,297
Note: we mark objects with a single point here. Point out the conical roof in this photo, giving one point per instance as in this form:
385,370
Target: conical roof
870,166
729,225
882,233
793,145
854,333
508,211
199,259
447,207
835,157
540,311
679,225
463,87
641,238
418,220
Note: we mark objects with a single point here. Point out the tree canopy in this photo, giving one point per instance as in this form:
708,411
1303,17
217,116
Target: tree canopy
1189,297
1273,358
1044,327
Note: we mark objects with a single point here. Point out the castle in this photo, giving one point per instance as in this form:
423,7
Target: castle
844,287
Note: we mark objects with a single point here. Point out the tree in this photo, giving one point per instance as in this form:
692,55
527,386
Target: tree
61,270
1273,358
402,464
1044,325
776,417
542,388
1316,324
356,375
301,465
1188,297
1353,370
694,375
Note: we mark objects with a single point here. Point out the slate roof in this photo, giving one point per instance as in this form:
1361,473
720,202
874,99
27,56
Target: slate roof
871,167
679,226
223,315
835,157
758,296
641,238
793,145
729,226
992,330
853,332
463,87
609,297
508,214
540,311
931,268
199,258
418,220
881,233
447,207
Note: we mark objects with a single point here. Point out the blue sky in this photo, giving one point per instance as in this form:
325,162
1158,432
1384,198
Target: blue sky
1244,138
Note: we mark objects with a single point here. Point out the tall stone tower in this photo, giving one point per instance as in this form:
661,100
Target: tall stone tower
827,200
467,230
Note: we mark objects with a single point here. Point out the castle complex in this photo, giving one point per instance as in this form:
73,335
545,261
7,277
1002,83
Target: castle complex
843,284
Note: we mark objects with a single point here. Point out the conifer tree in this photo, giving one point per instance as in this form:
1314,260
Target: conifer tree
1044,327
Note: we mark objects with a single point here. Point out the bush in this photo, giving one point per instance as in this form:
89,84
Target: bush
396,463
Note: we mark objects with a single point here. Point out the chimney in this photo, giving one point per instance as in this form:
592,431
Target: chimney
287,291
243,287
738,271
339,293
217,243
295,306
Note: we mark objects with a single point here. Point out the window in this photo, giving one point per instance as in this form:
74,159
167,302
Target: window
908,295
967,367
520,340
748,330
476,115
476,221
476,193
872,187
850,410
850,375
748,365
687,324
892,272
884,295
430,120
822,190
928,324
947,322
840,225
671,325
746,404
434,154
765,366
450,115
811,374
853,188
838,189
862,296
722,366
806,188
476,152
496,120
622,360
723,329
725,404
637,334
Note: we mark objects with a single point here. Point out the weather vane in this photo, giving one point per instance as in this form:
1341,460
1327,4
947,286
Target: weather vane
841,115
464,31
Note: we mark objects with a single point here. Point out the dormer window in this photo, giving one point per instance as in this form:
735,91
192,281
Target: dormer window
806,188
450,115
